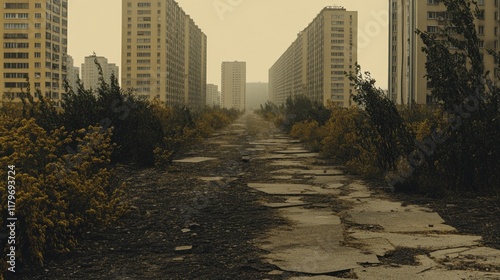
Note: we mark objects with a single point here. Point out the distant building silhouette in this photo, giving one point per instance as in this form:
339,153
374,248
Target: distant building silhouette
257,94
90,72
213,95
316,62
233,84
73,73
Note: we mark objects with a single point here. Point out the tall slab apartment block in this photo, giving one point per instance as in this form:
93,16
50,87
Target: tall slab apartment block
164,53
407,82
34,47
233,85
315,63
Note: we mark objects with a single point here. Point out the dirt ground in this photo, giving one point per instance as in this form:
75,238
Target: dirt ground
217,220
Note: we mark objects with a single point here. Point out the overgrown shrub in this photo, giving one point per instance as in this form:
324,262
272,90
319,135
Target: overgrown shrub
59,194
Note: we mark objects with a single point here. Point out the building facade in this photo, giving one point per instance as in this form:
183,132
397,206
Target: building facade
233,92
407,82
90,72
73,73
164,53
315,63
257,94
34,47
213,95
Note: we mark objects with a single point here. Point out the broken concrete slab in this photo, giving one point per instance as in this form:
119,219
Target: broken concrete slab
327,180
290,202
316,260
284,188
316,172
402,221
420,273
286,163
310,217
194,160
327,237
377,246
287,156
283,177
321,277
292,151
211,179
420,241
482,256
381,205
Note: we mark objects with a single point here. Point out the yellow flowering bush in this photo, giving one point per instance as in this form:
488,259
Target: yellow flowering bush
62,184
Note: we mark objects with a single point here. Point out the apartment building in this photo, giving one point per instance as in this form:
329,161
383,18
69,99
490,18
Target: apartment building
164,53
407,82
315,63
233,85
90,72
257,94
73,73
213,95
34,47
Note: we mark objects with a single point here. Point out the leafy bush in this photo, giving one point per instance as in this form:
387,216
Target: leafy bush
59,194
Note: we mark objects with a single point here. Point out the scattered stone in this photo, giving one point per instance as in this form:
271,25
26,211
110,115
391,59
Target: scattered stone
183,249
185,230
276,272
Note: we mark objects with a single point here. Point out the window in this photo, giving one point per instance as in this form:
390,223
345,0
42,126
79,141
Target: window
17,6
432,2
15,25
143,4
15,75
15,55
432,29
481,43
480,14
480,2
38,5
15,15
15,36
16,65
481,29
15,45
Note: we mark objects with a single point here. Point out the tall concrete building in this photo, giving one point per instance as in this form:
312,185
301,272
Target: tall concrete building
164,53
233,92
316,62
34,46
407,82
257,94
90,72
213,95
73,73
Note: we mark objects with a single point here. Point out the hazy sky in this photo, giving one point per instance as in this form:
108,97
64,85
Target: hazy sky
255,31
